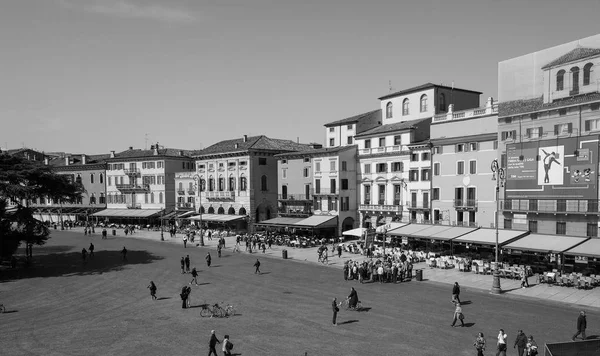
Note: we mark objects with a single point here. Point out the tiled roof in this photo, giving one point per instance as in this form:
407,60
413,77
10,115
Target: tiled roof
253,143
423,87
76,160
162,152
318,151
404,125
355,118
517,107
574,55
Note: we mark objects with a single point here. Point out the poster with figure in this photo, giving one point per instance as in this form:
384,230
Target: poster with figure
550,165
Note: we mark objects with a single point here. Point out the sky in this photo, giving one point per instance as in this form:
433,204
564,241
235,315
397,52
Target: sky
92,76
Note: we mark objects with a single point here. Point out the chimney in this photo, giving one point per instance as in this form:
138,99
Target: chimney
112,154
67,160
156,149
236,145
46,161
83,159
131,148
245,138
181,153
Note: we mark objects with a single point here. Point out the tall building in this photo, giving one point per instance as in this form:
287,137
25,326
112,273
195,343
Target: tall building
549,126
238,179
464,145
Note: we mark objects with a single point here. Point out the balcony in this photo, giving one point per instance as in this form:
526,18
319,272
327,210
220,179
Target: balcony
326,191
553,206
295,197
490,108
389,208
184,205
134,206
191,192
180,191
133,188
219,195
413,205
465,204
291,212
381,150
132,172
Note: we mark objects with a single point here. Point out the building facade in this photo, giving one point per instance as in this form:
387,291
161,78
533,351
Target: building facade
464,144
186,191
417,201
342,132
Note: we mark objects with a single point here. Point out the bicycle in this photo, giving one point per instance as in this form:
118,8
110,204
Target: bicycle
346,305
215,311
229,310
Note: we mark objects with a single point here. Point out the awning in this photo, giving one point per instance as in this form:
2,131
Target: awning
128,213
319,221
186,214
444,232
545,243
169,215
359,232
392,226
488,236
218,217
408,230
590,248
280,221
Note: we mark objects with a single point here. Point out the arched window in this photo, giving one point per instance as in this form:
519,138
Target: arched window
93,199
92,178
221,211
587,71
389,110
102,198
160,198
243,183
211,210
263,183
560,80
211,184
423,103
202,184
231,211
405,107
152,198
221,183
190,187
442,104
78,179
231,183
202,210
242,211
101,178
180,187
575,77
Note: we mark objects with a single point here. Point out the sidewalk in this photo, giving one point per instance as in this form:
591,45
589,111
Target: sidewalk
568,295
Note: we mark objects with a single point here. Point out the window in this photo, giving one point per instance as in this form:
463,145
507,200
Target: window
332,184
211,184
221,184
350,126
243,163
161,179
344,184
473,146
160,198
561,228
284,173
381,199
425,156
405,107
562,112
231,183
263,183
332,166
345,203
595,106
349,140
381,167
160,164
423,103
317,166
592,125
182,165
437,150
243,183
344,166
367,196
563,129
508,223
306,172
382,142
332,142
414,157
560,80
232,164
425,174
586,73
397,194
534,132
397,167
367,168
508,135
388,110
101,178
152,198
317,186
397,140
473,167
413,175
332,129
436,194
306,160
109,181
442,103
180,185
495,144
102,198
436,169
262,161
575,81
460,147
78,179
460,167
533,226
592,230
367,143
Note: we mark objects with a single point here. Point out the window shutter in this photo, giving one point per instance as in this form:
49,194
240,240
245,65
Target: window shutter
503,135
556,129
540,132
570,128
514,134
401,166
587,125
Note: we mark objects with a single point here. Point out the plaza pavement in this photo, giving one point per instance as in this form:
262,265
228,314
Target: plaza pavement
510,287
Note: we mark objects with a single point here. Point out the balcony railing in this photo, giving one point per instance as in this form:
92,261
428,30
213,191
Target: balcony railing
180,191
465,203
574,206
132,172
391,208
326,191
223,195
295,197
463,114
380,150
416,205
191,192
287,211
132,188
134,206
186,205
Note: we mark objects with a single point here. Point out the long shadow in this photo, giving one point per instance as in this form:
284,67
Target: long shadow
265,272
468,325
163,298
14,311
62,264
363,309
590,337
348,322
466,302
510,290
202,284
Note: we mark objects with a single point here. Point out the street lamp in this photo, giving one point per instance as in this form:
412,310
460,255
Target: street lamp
198,183
162,220
499,175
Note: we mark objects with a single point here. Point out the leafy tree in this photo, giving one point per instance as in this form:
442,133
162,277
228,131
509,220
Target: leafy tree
22,181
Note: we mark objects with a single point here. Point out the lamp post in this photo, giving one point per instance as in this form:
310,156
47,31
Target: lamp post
162,220
198,183
499,175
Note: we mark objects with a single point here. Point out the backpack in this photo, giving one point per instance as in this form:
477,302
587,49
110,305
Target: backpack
229,346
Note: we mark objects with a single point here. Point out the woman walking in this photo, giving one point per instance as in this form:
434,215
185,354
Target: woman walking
479,344
532,347
458,315
152,288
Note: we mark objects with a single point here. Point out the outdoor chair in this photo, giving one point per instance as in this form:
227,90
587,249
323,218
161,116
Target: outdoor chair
543,278
581,284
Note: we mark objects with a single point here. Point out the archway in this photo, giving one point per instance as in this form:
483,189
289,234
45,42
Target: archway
242,211
221,210
211,210
231,211
347,224
263,212
202,210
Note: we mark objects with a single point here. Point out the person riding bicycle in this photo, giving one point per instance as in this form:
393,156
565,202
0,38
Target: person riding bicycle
352,298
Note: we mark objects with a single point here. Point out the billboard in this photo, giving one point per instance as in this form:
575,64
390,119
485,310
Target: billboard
549,169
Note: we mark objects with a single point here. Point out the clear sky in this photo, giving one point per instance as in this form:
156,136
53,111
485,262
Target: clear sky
91,76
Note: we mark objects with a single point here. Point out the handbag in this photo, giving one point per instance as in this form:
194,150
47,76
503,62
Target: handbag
461,316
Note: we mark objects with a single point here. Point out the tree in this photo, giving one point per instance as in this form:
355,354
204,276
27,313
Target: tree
22,181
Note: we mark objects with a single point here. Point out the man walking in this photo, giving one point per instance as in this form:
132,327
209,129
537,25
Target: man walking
501,345
208,259
334,306
91,250
187,263
194,276
456,293
185,238
83,255
227,346
520,342
182,265
581,326
257,265
124,253
104,234
212,343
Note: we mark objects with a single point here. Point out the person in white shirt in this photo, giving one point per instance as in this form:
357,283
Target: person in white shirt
501,343
380,273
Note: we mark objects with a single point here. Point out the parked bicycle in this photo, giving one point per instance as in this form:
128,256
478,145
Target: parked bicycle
217,311
346,305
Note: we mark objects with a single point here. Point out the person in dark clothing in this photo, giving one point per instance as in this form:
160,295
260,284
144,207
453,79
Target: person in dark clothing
581,326
346,270
456,293
104,234
185,295
152,288
212,343
257,266
520,342
91,250
182,265
219,250
208,259
334,306
339,249
187,263
352,298
124,253
194,276
83,255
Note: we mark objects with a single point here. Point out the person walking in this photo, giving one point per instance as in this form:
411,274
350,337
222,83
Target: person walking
185,239
104,234
182,265
524,281
458,315
257,267
339,250
501,344
185,297
124,254
532,347
520,342
352,299
152,288
212,343
208,259
456,293
336,309
479,344
194,276
91,249
83,255
227,346
219,250
187,263
581,326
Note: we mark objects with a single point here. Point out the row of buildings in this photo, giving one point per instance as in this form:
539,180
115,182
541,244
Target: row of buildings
423,156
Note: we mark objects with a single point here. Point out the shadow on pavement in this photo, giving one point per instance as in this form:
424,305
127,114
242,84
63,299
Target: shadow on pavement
163,298
14,311
348,322
61,264
364,309
466,302
468,325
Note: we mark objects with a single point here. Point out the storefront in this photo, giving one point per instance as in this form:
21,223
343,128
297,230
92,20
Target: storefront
237,223
129,216
481,243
